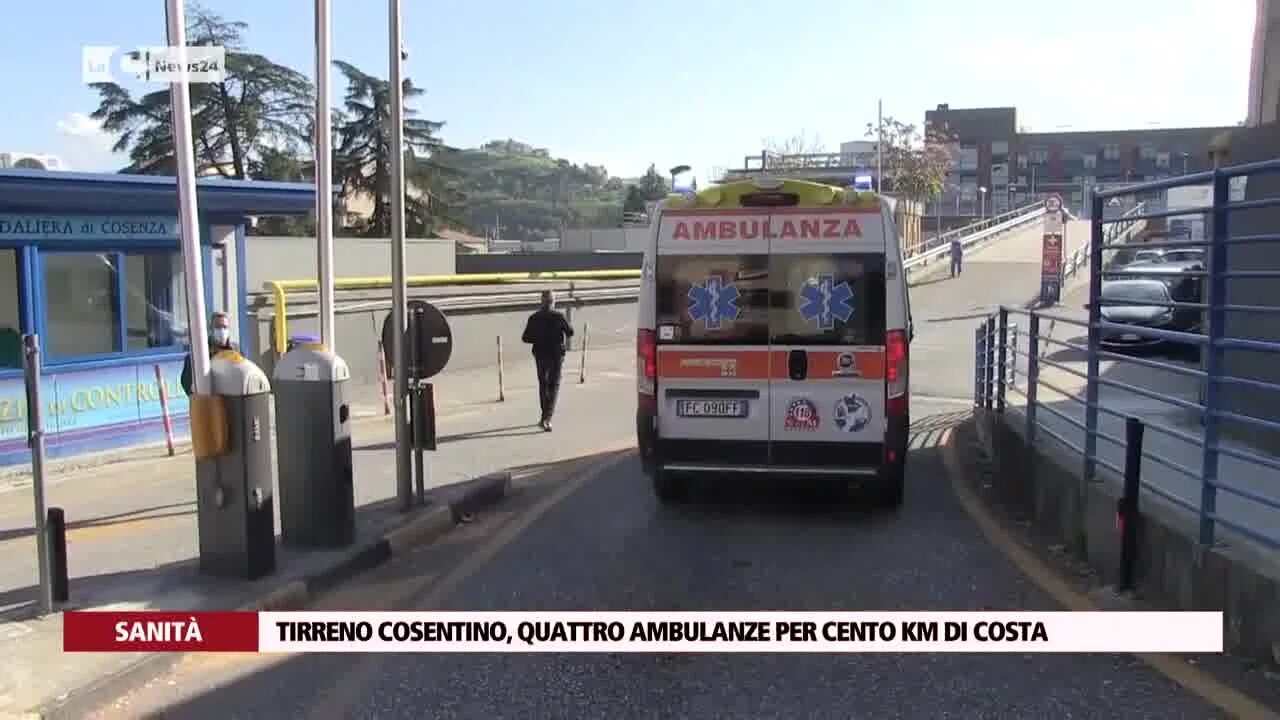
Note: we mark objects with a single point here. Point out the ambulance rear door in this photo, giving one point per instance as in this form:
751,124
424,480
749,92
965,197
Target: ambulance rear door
827,329
712,327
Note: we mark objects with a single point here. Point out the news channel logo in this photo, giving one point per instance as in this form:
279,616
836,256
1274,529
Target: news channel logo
162,65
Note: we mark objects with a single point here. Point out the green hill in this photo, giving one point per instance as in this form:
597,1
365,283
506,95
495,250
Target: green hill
529,193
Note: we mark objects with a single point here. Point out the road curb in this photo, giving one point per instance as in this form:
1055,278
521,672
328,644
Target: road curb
426,526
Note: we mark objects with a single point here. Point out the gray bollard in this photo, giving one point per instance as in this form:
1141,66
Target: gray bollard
582,361
502,395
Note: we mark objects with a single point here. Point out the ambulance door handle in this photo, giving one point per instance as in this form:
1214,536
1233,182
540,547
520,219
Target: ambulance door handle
798,364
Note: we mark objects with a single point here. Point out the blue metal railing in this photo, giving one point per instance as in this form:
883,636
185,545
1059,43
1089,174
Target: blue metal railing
1181,402
1122,230
973,233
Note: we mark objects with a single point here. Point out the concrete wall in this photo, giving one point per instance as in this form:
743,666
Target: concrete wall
1250,145
294,258
358,328
616,239
544,262
1041,485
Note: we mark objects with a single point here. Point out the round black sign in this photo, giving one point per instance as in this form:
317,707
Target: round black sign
428,340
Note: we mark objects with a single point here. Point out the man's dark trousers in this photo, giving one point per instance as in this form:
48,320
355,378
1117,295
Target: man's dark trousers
548,366
957,263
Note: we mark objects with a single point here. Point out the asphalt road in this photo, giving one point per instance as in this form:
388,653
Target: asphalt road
607,544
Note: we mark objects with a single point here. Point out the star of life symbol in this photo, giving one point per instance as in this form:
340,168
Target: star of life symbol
712,302
823,301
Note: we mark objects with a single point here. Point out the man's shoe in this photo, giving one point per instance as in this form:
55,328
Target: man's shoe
546,425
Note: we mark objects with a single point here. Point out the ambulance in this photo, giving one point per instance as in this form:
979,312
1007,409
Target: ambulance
773,338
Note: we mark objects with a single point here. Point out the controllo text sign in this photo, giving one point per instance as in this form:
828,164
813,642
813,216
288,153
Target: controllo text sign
428,341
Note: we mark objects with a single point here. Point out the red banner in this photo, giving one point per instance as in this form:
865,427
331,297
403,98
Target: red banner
100,631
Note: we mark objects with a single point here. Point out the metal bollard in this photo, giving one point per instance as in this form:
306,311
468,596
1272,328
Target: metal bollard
978,354
989,365
582,361
1033,375
1002,357
59,574
1127,511
502,395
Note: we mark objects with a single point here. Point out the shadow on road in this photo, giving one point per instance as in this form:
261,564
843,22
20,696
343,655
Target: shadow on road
509,431
717,512
151,513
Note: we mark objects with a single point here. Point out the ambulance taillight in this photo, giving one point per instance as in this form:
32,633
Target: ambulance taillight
895,351
646,367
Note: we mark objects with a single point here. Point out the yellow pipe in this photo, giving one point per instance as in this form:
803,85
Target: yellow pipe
281,288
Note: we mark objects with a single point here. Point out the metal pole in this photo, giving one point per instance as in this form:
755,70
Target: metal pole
323,143
35,438
189,214
404,477
1127,512
502,394
880,146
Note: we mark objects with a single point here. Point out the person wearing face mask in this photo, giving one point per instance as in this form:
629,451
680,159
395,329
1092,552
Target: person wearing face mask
219,340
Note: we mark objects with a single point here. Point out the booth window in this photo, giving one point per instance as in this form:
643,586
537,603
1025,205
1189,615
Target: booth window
156,300
106,302
10,311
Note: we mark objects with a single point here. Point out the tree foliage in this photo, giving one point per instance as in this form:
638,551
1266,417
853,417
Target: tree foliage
634,201
522,192
652,185
915,163
258,106
362,158
259,124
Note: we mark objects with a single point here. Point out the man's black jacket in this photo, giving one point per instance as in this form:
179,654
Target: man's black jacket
547,330
214,349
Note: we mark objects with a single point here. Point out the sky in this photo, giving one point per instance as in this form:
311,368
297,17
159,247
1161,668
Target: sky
702,83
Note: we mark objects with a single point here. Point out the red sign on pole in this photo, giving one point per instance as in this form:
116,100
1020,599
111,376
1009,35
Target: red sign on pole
1051,255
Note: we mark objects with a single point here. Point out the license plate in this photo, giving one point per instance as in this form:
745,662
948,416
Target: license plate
711,408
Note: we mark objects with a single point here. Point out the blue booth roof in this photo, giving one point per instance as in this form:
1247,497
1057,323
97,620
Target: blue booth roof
56,192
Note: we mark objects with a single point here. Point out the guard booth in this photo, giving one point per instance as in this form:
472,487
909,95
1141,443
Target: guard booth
92,264
313,442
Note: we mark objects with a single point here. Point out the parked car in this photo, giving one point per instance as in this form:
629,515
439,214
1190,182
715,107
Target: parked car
1184,255
1146,303
1147,256
1185,279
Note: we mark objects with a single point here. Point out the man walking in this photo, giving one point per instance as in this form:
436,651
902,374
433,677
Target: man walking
548,332
957,257
219,340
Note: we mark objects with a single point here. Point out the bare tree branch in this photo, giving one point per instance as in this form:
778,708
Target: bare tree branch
800,144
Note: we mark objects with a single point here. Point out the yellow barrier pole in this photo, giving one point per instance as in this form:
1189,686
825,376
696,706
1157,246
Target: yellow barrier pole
282,315
281,288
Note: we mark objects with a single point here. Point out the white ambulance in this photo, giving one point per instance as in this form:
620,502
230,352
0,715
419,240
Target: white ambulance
772,339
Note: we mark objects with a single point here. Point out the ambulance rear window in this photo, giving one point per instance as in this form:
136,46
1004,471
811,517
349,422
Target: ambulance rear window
783,299
713,299
830,299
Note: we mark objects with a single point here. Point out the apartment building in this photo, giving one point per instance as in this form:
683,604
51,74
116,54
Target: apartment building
998,167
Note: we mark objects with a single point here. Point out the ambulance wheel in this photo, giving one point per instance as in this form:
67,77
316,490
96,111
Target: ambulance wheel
892,492
668,487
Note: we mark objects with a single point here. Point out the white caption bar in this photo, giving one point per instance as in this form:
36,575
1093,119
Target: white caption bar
741,632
